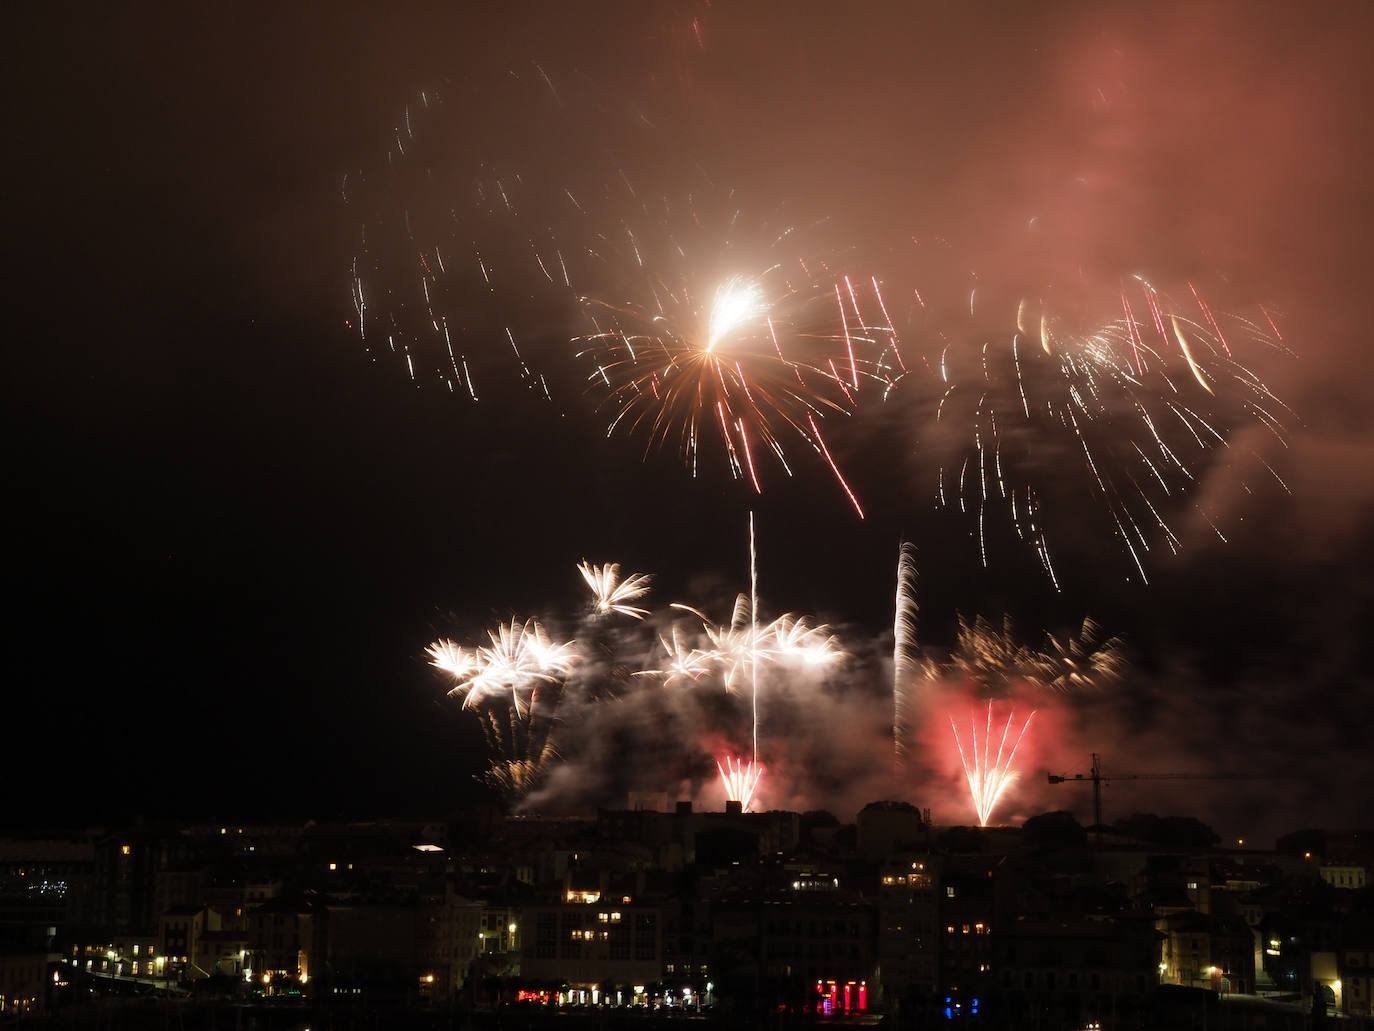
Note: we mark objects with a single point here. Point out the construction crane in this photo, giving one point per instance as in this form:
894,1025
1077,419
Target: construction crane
1098,778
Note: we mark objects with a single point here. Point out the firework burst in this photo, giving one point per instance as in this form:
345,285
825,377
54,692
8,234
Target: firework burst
793,639
610,593
683,662
515,684
700,336
517,658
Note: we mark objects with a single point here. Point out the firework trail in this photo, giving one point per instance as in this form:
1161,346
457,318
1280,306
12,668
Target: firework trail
989,773
903,649
740,779
610,593
1129,406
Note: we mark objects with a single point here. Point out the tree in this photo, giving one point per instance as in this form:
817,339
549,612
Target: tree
1184,831
1056,828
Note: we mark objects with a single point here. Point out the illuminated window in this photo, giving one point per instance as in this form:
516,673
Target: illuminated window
125,849
135,950
949,891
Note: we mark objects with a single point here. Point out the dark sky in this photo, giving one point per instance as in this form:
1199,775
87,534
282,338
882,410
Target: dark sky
234,525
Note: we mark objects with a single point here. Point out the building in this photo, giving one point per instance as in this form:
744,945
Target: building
179,932
23,983
280,939
908,928
609,948
1207,951
1080,972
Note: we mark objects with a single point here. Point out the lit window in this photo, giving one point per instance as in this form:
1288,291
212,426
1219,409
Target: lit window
135,950
949,891
125,849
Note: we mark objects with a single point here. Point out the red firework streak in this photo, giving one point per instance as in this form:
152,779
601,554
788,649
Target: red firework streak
989,772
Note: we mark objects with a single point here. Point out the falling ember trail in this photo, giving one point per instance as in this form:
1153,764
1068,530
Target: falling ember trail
740,778
989,774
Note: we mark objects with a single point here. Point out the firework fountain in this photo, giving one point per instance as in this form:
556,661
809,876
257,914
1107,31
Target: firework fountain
989,773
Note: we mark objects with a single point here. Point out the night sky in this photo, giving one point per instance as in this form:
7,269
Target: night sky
234,524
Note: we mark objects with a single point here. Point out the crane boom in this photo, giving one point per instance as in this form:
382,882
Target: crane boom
1098,778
